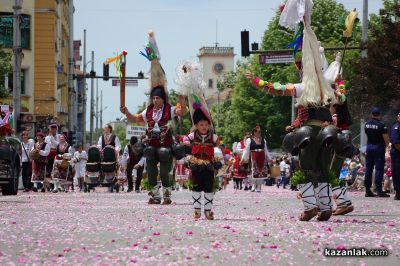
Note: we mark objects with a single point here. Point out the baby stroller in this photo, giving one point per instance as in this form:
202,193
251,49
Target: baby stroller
92,177
109,168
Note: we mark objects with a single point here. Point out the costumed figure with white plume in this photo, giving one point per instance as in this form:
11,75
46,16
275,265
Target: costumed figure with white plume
157,115
311,136
201,141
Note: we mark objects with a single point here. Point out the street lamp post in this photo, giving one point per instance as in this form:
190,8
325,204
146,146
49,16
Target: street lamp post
17,50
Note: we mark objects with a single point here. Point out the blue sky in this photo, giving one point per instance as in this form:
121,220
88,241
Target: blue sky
181,28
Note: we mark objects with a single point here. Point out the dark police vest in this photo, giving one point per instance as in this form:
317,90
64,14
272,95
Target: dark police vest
374,129
395,136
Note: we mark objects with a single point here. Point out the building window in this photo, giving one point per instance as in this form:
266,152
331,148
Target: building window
6,30
210,84
10,83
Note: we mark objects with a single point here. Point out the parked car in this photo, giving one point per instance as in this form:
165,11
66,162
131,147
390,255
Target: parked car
10,164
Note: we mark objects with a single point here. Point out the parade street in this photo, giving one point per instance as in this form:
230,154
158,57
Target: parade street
101,228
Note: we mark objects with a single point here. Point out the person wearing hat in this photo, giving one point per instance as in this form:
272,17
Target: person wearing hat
133,155
395,156
53,139
157,116
314,97
377,141
39,163
256,150
201,162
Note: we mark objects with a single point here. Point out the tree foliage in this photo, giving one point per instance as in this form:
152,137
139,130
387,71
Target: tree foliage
5,68
378,81
249,106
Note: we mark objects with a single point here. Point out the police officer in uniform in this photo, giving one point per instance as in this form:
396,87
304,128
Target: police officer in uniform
378,140
395,156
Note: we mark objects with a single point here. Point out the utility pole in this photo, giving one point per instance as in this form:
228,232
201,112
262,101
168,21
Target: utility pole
364,54
84,88
97,105
91,103
101,108
17,50
364,36
71,90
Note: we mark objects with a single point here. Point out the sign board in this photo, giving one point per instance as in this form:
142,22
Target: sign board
132,130
276,58
4,108
128,82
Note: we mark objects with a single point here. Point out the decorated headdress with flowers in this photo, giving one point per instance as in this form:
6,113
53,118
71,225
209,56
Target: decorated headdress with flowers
296,15
190,83
158,81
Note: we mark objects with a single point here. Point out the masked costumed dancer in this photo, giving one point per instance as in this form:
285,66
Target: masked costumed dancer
202,139
344,147
314,137
158,135
256,146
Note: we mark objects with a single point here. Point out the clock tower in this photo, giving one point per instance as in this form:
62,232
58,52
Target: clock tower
215,61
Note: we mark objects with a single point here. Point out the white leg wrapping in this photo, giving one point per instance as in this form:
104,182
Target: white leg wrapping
155,192
324,196
208,201
167,193
307,196
342,198
196,196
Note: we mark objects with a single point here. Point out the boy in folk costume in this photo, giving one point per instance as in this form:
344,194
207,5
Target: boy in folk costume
201,163
202,140
314,139
158,134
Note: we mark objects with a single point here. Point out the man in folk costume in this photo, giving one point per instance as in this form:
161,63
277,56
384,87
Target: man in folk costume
157,116
108,138
39,153
133,154
256,147
313,140
53,138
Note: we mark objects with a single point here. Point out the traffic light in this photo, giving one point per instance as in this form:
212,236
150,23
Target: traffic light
244,37
106,71
92,74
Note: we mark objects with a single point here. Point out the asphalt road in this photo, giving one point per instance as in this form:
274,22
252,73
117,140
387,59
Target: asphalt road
250,229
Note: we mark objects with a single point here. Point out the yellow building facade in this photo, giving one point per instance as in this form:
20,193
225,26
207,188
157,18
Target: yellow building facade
45,61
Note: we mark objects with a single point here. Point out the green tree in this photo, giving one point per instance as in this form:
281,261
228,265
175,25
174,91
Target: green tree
250,107
5,68
378,81
120,131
